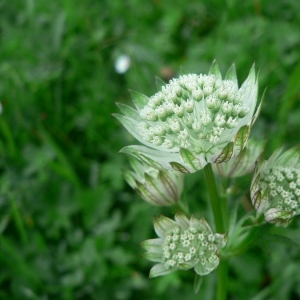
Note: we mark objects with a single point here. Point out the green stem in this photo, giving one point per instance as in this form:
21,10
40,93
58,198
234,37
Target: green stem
218,212
214,199
222,280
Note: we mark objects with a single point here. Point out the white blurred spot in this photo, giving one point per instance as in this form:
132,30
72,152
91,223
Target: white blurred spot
122,64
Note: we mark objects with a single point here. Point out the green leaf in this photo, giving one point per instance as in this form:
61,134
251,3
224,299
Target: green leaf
139,99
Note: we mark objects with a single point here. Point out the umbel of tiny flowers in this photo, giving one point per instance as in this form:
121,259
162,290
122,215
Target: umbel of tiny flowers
243,163
183,244
193,120
275,187
157,187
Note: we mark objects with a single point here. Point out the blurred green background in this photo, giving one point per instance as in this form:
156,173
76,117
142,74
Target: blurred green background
70,227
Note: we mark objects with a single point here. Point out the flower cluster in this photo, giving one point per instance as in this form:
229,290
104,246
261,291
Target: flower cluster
157,187
275,188
193,120
183,244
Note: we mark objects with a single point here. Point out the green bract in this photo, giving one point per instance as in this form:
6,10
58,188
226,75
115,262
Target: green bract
275,187
241,164
183,244
157,187
193,120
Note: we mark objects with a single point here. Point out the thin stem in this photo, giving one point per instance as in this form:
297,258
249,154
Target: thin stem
222,280
214,199
218,212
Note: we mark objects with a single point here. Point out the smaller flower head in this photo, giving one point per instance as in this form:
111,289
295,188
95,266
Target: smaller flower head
157,187
275,187
183,244
243,163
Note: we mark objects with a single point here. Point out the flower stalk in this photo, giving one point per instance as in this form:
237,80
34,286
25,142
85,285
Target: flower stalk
220,228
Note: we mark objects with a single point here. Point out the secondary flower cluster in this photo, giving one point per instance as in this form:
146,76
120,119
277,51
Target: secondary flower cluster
193,120
275,188
183,244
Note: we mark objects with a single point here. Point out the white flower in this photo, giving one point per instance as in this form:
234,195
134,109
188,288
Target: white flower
183,244
205,120
275,187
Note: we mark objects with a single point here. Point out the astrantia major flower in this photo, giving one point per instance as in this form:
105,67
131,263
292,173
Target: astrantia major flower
193,120
157,187
275,188
183,244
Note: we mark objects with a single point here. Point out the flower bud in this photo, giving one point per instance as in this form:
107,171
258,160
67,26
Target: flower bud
157,187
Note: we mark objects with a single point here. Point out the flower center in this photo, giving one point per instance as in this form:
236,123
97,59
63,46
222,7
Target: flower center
192,111
184,249
283,187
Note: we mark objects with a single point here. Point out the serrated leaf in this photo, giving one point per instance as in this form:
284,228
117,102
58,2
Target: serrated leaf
190,159
139,99
214,70
225,155
159,83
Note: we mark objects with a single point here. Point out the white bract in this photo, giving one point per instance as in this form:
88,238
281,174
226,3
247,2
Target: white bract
243,163
157,187
275,187
193,120
183,244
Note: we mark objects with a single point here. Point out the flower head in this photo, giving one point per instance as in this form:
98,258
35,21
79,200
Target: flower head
193,120
183,244
275,187
243,163
157,187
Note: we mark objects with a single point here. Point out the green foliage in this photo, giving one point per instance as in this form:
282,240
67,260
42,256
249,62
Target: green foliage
70,227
